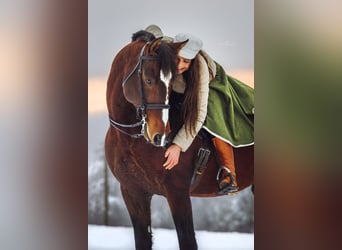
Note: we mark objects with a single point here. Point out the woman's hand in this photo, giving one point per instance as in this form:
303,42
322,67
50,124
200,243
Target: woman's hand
172,155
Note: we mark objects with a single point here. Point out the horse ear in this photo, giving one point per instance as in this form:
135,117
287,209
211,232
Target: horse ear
155,44
178,45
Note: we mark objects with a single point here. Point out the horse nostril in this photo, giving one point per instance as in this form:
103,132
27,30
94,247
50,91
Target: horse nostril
157,139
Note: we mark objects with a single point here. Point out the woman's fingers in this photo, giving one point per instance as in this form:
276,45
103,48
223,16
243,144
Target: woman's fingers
172,155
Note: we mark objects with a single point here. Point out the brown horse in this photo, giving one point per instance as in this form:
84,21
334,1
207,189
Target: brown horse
134,150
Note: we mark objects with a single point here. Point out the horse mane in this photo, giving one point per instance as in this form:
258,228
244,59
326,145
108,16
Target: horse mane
166,55
167,58
143,35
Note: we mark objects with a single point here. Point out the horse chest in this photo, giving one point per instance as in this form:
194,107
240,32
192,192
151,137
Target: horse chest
129,170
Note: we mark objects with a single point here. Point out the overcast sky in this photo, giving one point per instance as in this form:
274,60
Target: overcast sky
225,26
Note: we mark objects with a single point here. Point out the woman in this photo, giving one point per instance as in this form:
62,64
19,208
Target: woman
214,101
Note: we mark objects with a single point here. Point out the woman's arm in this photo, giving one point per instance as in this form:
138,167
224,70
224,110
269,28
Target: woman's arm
183,140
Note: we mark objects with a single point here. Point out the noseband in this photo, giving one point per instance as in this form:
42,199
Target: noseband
141,109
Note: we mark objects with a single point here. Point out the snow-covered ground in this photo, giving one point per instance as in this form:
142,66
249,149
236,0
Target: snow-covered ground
122,238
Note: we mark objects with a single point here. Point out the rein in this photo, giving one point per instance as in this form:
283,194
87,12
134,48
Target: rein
135,136
141,110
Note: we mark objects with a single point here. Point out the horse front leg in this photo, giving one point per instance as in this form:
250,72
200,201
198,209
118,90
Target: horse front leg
138,204
180,205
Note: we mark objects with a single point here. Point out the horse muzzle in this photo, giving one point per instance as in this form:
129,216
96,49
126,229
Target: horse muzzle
157,140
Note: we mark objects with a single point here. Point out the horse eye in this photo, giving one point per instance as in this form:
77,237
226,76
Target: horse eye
149,81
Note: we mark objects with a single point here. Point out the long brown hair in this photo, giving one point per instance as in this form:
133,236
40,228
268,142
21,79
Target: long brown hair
190,103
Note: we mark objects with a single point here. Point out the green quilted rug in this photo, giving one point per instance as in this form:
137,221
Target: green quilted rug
230,110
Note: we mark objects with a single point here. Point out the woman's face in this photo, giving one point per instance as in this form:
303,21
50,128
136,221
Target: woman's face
183,65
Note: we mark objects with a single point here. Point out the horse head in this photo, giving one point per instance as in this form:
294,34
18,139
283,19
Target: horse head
146,87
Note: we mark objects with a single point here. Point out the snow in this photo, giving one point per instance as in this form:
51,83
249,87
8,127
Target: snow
122,238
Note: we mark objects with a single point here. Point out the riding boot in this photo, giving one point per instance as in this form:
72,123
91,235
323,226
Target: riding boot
226,174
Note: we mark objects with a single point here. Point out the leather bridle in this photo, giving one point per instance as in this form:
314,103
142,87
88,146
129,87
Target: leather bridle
141,109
